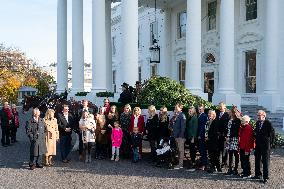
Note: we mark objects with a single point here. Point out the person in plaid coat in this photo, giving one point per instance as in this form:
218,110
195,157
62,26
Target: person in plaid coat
233,141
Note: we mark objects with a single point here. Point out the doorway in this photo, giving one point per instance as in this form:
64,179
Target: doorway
209,84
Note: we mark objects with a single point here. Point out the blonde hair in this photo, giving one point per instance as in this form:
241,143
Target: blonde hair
48,114
245,119
222,104
137,109
212,112
261,112
127,106
101,119
152,111
14,105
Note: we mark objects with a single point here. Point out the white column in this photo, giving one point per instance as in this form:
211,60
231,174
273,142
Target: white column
129,64
226,88
269,98
62,67
77,47
108,46
99,46
193,48
166,46
280,54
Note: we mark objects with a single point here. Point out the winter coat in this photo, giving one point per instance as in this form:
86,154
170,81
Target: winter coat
101,138
6,117
264,136
179,126
213,135
136,140
202,119
116,137
163,129
15,119
52,136
140,124
191,127
36,132
152,127
246,138
125,121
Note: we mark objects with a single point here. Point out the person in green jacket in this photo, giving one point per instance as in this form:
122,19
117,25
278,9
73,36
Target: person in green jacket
191,133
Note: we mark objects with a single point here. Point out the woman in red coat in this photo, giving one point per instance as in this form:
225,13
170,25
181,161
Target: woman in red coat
137,120
246,145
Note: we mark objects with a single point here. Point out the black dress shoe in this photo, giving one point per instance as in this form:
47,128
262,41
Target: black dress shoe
39,166
32,167
256,177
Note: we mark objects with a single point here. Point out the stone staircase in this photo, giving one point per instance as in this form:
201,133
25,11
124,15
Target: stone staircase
275,118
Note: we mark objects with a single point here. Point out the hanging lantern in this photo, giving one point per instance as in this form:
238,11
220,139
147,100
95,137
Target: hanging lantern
155,52
155,48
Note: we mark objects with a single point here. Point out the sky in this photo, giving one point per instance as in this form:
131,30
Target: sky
31,26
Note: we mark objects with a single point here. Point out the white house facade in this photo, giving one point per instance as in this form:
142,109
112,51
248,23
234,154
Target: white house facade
221,50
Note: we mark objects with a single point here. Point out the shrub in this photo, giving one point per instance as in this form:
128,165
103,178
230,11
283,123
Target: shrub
81,94
165,91
105,94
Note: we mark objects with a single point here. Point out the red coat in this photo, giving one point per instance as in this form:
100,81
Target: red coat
246,138
140,124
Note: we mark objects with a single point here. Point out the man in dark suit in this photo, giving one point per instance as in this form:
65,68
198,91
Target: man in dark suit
202,119
264,137
223,119
65,125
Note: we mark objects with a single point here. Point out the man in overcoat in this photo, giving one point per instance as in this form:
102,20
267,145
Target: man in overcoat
264,137
36,131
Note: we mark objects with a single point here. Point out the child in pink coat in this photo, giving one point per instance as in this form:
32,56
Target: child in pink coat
116,138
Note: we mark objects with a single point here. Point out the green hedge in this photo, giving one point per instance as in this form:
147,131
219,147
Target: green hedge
81,93
105,94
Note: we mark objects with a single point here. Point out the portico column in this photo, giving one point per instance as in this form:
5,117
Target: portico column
77,47
226,87
193,48
108,46
99,46
62,67
164,68
129,18
270,97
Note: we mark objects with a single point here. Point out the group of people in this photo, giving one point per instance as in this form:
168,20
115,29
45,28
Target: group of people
9,124
219,136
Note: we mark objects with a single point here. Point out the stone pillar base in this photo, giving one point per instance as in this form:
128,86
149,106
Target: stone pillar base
269,101
229,99
202,95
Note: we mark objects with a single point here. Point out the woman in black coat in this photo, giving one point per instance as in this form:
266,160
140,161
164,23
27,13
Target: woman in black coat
163,128
212,142
152,129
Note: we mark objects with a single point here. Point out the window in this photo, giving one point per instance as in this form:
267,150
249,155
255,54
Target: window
113,45
153,70
251,9
250,72
181,72
212,6
153,31
139,73
209,58
181,28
